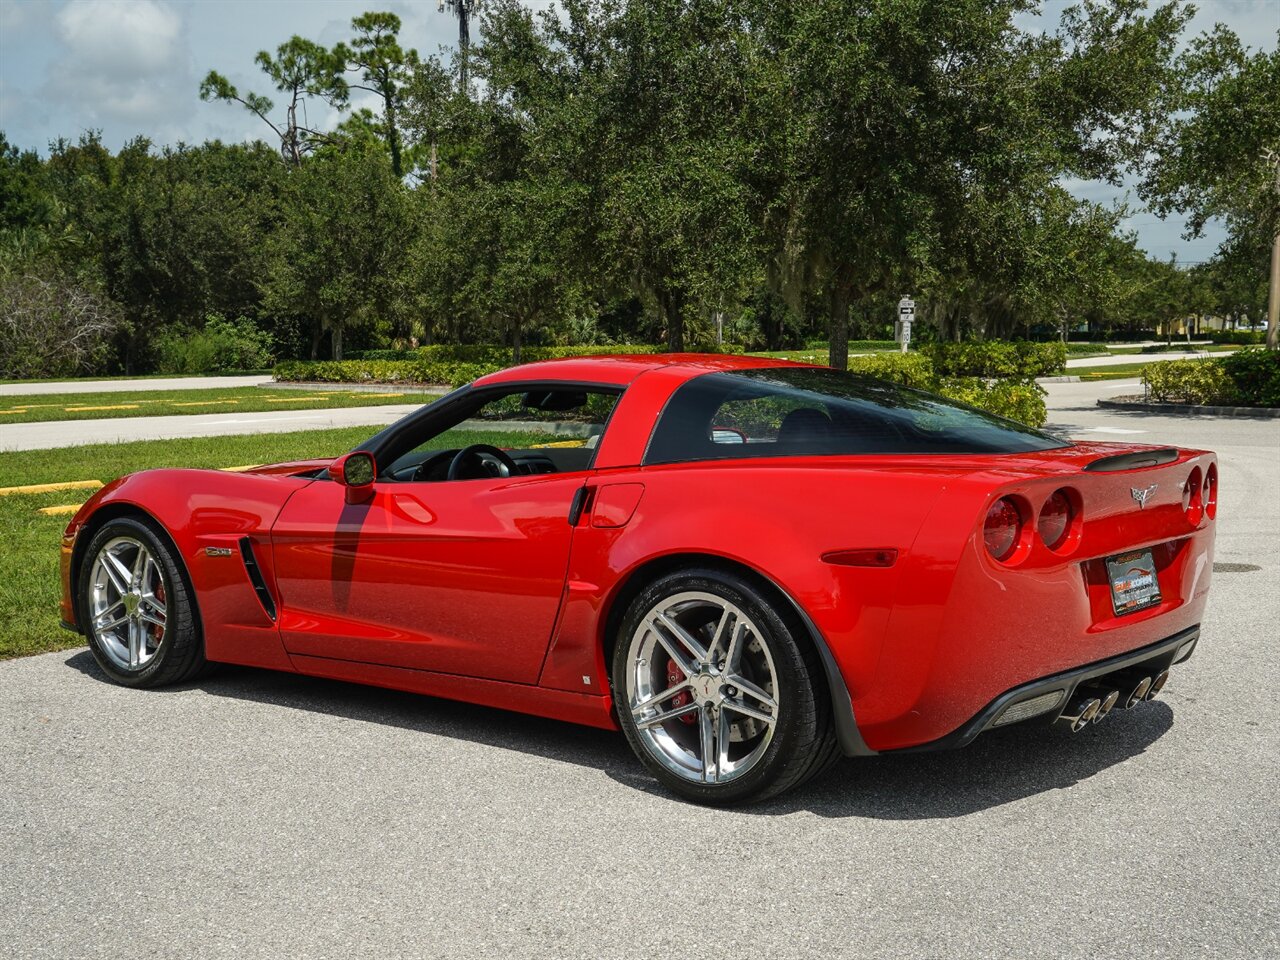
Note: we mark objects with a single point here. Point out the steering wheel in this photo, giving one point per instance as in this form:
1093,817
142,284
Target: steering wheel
478,452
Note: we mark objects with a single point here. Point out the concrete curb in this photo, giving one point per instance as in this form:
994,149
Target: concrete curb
1057,379
1261,413
432,388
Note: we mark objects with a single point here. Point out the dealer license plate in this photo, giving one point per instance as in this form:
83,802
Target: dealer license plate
1134,585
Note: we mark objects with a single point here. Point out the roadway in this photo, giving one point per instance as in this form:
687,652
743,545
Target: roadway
43,387
256,814
73,433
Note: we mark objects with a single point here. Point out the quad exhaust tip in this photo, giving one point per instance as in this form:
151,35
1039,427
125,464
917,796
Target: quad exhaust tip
1138,693
1157,684
1108,702
1081,713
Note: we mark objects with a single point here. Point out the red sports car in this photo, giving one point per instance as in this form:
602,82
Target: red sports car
751,567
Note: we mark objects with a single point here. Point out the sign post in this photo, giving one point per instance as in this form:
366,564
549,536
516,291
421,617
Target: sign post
906,314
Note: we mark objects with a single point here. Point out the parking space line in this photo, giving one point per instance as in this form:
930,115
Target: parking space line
50,487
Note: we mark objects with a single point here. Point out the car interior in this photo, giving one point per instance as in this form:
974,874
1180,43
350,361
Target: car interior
578,417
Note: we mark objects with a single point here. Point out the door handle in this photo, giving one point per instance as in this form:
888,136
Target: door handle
578,504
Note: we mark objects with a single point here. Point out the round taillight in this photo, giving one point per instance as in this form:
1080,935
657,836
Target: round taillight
1001,528
1211,491
1192,501
1055,519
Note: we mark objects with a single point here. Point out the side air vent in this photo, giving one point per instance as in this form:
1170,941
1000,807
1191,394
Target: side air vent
255,577
1134,461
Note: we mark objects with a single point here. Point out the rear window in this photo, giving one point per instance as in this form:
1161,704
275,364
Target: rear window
800,411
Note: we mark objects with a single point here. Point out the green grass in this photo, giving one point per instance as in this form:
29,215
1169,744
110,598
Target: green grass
819,354
29,588
1118,371
160,403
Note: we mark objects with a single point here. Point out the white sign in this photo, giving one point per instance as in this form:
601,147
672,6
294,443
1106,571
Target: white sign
906,314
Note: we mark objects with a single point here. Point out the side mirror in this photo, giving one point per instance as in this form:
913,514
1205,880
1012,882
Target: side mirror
355,471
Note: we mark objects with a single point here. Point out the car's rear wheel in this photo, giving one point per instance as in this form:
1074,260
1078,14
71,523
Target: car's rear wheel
716,690
135,601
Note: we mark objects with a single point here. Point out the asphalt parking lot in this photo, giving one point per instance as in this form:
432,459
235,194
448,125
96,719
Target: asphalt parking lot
263,815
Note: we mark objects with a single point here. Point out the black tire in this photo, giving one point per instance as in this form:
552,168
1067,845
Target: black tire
179,656
803,742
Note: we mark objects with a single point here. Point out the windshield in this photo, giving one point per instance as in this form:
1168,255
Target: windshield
813,411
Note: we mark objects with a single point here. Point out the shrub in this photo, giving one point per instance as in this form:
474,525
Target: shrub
379,354
1242,338
1086,349
499,356
908,369
1189,381
1255,374
452,365
380,371
53,327
1005,359
222,345
1023,402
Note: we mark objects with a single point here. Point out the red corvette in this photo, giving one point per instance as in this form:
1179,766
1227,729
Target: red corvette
751,567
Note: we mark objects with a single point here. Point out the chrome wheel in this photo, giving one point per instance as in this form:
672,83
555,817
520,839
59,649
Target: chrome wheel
702,687
127,603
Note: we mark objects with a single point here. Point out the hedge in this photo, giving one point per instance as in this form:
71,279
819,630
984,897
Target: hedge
1247,378
1023,402
1256,375
490,353
1017,400
1189,381
1004,359
1020,400
380,371
1243,338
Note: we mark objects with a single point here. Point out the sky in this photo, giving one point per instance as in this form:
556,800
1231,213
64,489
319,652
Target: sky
129,67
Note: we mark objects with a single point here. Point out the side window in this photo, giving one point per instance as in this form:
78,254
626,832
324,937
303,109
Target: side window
813,411
543,430
755,419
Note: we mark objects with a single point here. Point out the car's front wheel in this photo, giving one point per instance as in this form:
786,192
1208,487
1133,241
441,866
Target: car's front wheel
716,691
135,605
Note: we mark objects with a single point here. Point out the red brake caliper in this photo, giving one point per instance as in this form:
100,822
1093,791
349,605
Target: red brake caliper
157,631
684,697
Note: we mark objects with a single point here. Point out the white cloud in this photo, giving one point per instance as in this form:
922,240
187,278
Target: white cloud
125,62
120,38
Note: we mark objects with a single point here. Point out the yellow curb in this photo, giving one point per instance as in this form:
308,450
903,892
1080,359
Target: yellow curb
50,487
248,466
203,403
559,443
375,394
58,511
117,406
300,399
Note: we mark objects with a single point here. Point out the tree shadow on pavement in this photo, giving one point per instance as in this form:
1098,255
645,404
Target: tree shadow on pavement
999,767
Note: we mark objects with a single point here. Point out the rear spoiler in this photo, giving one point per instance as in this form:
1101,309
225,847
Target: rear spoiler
1133,461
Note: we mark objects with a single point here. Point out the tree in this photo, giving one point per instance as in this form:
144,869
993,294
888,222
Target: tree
464,10
52,326
336,263
300,70
888,122
1222,156
384,68
639,104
